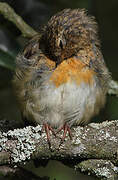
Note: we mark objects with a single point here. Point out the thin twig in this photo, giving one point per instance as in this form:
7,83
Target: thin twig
10,14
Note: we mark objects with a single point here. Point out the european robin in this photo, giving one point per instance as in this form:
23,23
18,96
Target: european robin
61,78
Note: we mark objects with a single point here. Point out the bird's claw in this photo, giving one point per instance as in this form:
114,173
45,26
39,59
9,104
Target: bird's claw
47,128
66,129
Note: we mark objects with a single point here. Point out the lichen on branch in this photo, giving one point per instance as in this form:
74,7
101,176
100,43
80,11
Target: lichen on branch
94,141
98,167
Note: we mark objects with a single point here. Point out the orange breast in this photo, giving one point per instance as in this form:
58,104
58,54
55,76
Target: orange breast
72,70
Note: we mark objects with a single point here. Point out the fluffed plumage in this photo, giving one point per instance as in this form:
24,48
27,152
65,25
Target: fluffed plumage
61,77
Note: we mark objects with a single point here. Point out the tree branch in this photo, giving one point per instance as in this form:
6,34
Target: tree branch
10,14
101,168
94,141
113,88
19,173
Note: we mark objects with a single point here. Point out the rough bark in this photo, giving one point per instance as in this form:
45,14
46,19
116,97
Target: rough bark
94,141
104,169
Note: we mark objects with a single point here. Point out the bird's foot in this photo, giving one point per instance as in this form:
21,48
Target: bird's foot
47,128
66,129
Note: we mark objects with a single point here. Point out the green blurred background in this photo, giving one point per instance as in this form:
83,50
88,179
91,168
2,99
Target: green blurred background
36,13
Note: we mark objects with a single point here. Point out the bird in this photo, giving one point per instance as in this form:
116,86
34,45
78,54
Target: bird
61,79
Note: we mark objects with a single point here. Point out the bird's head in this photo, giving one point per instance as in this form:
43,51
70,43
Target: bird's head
67,32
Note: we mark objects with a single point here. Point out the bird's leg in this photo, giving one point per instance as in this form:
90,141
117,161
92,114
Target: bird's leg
66,129
47,129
